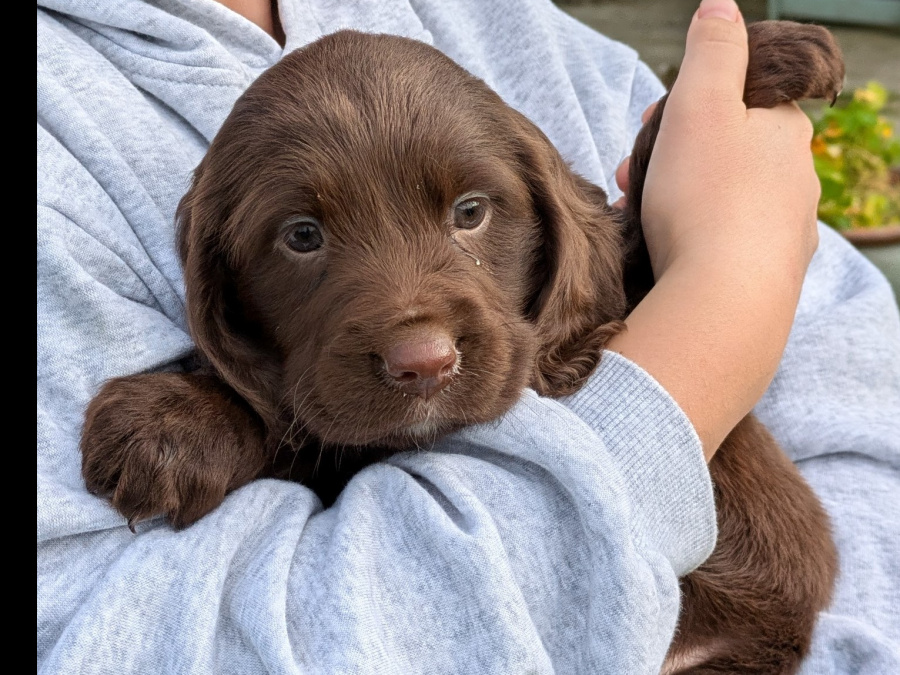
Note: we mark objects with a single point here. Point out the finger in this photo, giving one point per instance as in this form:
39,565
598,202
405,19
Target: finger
716,54
619,203
622,174
648,112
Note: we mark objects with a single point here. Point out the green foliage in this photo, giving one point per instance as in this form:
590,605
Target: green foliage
857,159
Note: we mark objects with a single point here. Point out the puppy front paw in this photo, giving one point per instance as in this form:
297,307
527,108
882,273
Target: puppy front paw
169,444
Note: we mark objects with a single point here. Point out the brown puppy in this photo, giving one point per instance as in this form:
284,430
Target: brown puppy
378,251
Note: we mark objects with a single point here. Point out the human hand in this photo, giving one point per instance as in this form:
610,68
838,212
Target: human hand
724,179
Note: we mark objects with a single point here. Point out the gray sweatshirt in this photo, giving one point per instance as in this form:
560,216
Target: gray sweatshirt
548,541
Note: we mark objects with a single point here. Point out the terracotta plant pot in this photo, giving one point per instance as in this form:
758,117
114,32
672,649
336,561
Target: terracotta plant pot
881,245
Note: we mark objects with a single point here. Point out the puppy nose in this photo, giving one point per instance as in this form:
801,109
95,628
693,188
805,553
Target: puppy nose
421,366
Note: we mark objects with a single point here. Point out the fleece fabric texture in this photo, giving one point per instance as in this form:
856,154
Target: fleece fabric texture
548,541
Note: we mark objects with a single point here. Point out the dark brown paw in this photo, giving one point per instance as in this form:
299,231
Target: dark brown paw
168,444
792,61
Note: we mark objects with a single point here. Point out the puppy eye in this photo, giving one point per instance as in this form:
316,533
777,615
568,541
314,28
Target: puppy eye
303,234
469,212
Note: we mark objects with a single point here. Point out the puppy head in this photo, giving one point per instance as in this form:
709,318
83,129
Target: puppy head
377,250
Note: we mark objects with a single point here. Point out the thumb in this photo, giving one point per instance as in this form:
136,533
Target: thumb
716,54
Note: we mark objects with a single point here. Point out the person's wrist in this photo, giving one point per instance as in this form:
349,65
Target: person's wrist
748,297
768,276
712,331
729,251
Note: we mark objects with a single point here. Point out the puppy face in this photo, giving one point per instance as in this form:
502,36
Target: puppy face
389,265
378,250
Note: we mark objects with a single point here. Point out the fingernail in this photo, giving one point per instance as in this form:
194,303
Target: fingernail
719,9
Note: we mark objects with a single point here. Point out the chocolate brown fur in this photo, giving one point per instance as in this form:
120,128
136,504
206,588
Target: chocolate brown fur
167,443
375,137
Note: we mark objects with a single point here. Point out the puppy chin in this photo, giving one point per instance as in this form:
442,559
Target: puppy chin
414,423
418,436
424,430
414,429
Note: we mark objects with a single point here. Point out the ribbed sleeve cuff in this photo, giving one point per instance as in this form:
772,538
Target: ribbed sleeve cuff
659,454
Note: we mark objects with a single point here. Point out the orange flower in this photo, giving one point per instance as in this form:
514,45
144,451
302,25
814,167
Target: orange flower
818,145
833,131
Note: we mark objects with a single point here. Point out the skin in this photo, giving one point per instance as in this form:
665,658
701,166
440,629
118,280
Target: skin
260,12
729,253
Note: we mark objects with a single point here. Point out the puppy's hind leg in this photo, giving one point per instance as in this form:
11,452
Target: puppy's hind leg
751,607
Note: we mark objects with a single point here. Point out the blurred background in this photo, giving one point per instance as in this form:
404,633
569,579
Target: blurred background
855,148
656,29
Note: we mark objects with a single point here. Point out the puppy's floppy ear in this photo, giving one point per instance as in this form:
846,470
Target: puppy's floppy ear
216,320
580,299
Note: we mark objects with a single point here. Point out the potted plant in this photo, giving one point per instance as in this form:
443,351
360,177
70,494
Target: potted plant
857,159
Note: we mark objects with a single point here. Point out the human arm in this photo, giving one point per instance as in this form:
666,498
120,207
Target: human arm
729,220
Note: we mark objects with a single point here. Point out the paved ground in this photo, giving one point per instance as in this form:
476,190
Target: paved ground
656,28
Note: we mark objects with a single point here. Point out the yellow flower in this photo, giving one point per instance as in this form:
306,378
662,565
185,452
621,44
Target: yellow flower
865,95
